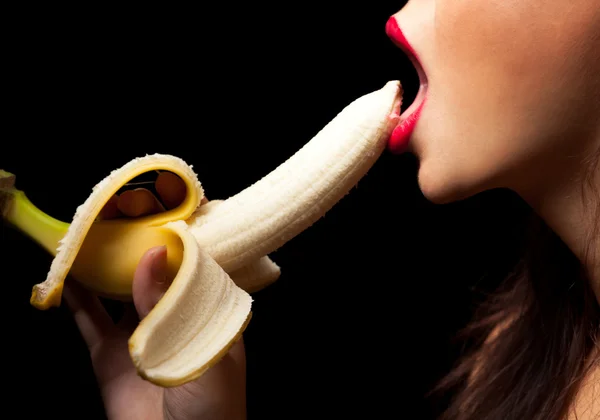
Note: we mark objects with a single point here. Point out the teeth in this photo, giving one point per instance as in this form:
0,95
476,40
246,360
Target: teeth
217,252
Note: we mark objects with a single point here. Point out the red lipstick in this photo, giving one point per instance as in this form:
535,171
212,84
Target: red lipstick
400,138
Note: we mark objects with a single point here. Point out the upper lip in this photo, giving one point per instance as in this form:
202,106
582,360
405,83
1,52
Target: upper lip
394,32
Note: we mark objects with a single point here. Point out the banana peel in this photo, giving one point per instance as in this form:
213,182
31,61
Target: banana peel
204,311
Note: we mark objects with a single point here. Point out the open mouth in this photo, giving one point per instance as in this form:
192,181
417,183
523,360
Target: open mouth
400,138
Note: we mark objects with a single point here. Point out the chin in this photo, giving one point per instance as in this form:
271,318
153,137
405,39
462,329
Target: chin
441,186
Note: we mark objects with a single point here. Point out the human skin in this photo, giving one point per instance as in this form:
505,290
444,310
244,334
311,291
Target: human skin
219,394
513,101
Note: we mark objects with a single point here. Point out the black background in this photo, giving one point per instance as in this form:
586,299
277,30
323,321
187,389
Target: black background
361,320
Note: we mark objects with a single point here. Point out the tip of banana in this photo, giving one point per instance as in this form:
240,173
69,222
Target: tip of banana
393,84
394,88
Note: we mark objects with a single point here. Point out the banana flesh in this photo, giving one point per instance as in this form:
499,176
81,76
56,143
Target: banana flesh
252,277
267,214
217,252
256,275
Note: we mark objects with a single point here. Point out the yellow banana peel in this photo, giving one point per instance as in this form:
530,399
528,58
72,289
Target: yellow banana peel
217,252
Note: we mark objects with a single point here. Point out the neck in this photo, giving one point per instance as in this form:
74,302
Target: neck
572,211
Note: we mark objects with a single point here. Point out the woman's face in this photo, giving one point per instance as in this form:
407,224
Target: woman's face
513,95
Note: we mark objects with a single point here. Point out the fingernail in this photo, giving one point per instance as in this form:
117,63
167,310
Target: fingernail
159,264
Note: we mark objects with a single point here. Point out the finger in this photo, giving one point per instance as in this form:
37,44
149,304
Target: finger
110,209
92,320
139,202
223,385
150,280
170,188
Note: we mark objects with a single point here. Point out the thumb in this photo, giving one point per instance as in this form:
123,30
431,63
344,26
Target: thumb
150,280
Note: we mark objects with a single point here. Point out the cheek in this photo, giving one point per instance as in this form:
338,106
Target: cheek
465,127
486,64
501,83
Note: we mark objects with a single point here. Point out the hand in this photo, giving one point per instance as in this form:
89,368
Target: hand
219,394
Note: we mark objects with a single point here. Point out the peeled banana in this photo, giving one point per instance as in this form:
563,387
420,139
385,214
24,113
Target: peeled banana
217,252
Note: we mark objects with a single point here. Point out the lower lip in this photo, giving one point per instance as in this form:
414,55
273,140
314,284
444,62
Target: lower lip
400,139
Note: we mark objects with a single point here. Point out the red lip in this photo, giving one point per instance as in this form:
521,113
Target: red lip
400,138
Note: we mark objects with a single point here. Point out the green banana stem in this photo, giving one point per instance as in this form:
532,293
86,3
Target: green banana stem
21,213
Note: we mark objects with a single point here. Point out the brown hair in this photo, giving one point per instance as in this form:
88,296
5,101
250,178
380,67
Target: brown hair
532,340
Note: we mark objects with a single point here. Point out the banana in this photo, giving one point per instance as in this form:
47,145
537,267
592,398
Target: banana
194,324
204,311
256,275
253,277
